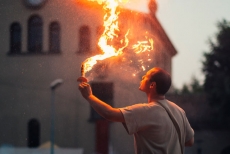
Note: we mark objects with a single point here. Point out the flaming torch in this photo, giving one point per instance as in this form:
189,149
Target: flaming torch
110,29
110,25
82,78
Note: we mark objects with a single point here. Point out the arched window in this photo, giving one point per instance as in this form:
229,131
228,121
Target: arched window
84,42
35,34
54,37
33,133
15,38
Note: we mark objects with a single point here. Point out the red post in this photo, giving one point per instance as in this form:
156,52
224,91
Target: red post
102,136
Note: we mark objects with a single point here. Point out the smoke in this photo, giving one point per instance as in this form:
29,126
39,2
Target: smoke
129,66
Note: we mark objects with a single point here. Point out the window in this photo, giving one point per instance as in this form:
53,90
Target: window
104,91
84,42
35,34
33,133
15,38
54,37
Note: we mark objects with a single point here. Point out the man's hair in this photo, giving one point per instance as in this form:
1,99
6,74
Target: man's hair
162,79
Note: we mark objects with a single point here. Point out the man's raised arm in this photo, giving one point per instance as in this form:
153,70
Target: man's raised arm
105,110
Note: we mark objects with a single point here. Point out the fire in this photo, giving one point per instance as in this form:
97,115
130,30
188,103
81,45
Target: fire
110,26
143,46
110,29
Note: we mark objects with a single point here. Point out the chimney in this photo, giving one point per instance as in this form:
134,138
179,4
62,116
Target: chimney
152,7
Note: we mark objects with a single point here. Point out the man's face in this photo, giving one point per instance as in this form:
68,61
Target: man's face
145,82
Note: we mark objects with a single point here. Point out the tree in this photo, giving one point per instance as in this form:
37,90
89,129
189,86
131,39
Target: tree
195,86
185,89
216,68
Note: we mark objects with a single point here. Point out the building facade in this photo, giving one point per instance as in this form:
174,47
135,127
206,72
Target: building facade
42,41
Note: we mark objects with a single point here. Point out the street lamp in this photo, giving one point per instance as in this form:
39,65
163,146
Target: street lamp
56,83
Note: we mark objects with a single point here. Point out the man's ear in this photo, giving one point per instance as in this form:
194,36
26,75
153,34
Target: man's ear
152,84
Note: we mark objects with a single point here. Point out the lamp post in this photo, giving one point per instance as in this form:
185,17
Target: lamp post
56,83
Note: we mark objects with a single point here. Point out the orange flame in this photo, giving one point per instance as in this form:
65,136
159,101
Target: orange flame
110,25
110,28
143,46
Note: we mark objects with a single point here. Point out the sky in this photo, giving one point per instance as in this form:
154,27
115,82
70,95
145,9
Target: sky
189,25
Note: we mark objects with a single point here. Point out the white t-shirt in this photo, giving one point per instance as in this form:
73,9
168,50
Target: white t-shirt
153,130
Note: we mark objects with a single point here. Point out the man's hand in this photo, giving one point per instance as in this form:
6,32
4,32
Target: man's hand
85,90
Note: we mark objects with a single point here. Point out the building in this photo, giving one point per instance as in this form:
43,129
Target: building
45,40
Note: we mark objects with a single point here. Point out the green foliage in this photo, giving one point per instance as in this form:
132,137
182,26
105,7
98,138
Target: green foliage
196,86
216,68
185,90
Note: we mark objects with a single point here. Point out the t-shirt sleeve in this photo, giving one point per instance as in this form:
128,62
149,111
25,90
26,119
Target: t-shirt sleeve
188,130
129,113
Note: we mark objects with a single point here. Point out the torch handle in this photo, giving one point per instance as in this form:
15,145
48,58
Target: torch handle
82,78
82,70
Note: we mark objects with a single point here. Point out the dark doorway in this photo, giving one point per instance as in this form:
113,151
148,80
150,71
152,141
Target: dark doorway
104,91
33,133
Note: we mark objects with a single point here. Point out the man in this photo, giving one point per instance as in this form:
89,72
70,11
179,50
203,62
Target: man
159,126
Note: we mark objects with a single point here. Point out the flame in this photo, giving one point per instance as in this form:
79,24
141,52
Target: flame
110,29
143,46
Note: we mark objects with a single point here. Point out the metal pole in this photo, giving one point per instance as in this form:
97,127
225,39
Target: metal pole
52,122
56,83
